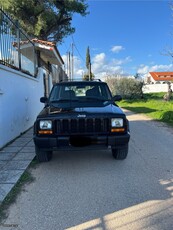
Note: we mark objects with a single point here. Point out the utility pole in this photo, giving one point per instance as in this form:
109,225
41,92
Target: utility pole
67,68
89,70
69,65
72,63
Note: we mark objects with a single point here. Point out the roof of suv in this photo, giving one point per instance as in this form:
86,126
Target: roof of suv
80,82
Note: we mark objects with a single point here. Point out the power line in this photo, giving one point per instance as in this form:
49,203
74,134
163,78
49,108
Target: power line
73,45
67,47
77,49
70,58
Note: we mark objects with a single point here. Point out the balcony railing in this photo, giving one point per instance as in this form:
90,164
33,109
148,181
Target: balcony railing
14,44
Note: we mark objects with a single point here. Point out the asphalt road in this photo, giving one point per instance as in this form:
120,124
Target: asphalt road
90,190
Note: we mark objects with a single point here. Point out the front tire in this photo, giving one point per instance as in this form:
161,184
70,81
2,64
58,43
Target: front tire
43,156
121,153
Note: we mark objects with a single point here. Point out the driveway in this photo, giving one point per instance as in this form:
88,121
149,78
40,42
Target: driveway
90,190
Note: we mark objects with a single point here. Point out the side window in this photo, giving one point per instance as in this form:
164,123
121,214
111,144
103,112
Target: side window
105,92
55,93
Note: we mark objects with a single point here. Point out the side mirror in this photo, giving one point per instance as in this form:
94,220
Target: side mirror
43,99
117,98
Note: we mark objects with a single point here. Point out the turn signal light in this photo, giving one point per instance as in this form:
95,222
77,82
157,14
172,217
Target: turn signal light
117,130
45,132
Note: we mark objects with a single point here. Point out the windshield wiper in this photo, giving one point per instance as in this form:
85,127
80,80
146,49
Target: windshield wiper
63,100
95,99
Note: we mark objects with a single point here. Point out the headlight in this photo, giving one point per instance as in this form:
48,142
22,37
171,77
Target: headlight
117,122
45,124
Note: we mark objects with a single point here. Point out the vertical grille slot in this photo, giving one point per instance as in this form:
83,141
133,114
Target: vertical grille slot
98,125
81,128
89,125
74,126
65,126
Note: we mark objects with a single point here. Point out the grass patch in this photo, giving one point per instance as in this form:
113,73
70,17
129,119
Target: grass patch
152,105
12,196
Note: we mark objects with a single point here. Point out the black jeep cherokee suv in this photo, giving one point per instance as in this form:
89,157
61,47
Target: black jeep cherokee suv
81,114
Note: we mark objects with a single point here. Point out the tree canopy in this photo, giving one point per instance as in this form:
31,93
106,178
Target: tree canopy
46,19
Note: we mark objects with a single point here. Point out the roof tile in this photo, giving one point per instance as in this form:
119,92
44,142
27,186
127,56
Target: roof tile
162,76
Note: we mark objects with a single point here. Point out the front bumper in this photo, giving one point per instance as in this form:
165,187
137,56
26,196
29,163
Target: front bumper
60,142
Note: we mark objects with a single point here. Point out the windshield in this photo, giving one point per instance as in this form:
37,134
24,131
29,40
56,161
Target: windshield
80,92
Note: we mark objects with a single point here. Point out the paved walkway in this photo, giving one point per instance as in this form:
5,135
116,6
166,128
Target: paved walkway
14,159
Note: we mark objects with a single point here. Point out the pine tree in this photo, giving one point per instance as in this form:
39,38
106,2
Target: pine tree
88,64
46,20
88,60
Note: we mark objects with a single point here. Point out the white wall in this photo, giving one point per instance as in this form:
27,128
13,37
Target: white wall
19,102
155,88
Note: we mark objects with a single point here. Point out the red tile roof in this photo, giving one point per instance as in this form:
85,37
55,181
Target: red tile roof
51,45
162,76
43,42
35,40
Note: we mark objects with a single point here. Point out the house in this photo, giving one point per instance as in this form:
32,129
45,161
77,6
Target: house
22,83
28,69
48,56
160,77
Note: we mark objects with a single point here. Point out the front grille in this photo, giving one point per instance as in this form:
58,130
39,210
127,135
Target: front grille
81,126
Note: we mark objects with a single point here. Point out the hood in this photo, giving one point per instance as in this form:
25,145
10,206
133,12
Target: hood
105,109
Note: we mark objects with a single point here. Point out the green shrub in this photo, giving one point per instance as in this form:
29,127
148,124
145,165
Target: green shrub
126,87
